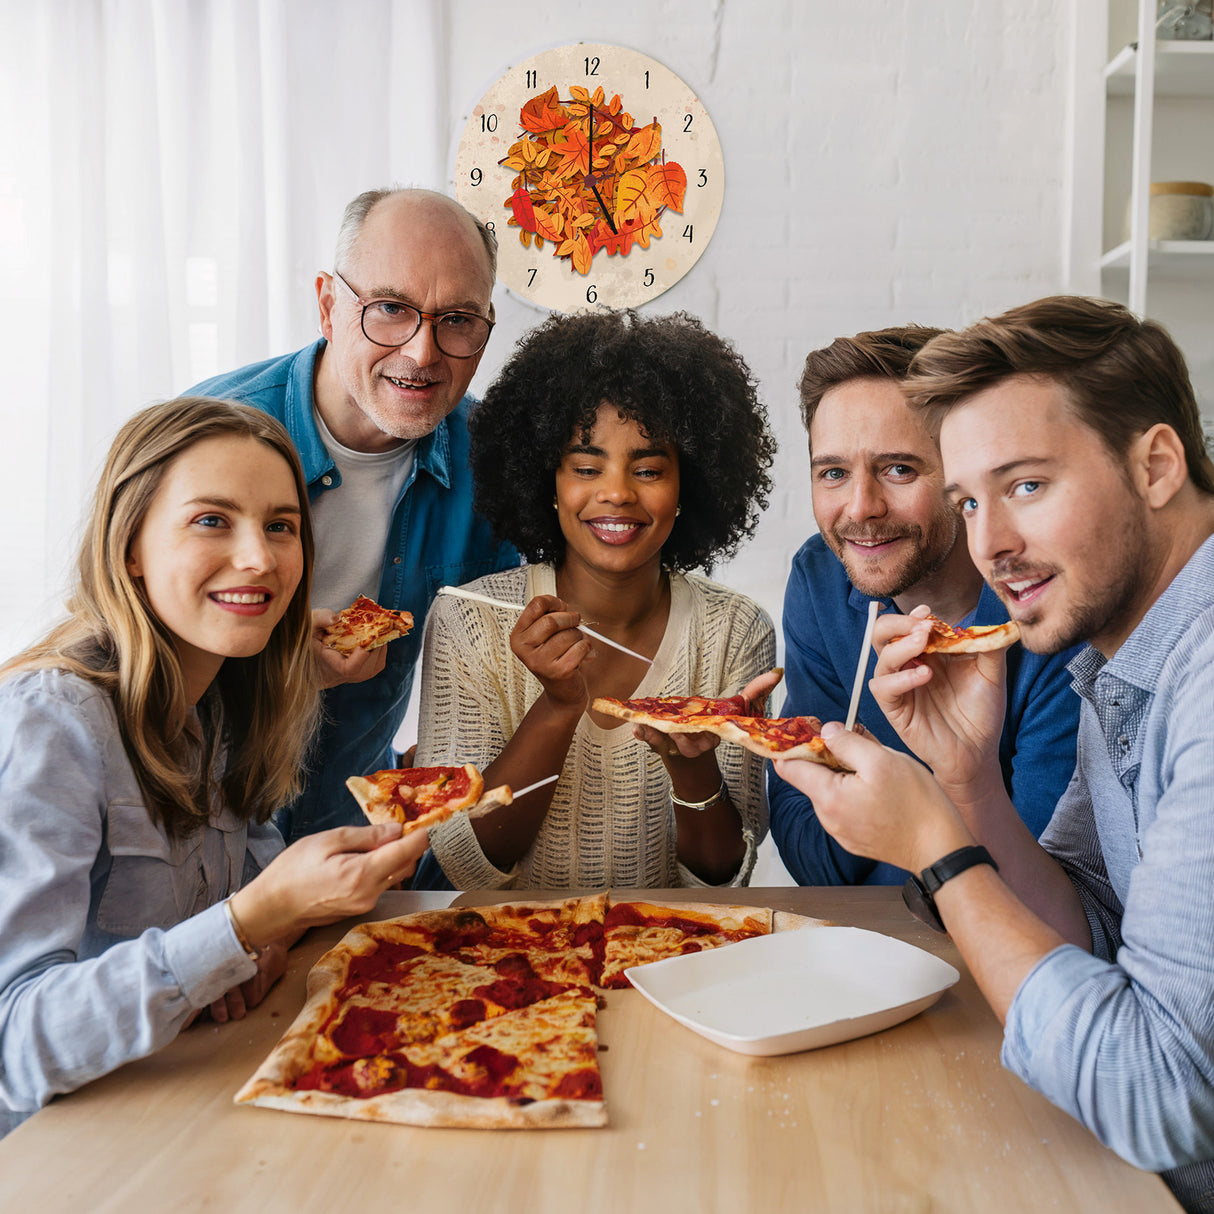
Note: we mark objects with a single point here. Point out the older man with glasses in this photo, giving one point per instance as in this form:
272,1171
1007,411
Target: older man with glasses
378,412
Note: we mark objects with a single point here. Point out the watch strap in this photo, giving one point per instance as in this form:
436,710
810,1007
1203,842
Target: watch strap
954,864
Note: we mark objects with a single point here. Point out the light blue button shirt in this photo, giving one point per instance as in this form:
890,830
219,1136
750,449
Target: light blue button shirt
112,933
1123,1038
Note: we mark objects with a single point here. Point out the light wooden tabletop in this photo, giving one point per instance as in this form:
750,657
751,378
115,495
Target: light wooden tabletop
919,1117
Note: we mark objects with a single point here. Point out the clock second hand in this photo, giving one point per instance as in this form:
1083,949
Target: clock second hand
592,178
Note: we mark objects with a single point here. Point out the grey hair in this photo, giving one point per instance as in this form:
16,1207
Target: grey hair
356,213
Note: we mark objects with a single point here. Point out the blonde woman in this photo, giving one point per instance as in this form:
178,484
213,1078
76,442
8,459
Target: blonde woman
143,745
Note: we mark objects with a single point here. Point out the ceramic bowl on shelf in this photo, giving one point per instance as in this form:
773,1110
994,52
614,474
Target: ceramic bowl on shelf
1180,210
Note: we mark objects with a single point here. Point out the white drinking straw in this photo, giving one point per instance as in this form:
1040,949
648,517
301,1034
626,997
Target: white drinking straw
598,636
873,608
522,792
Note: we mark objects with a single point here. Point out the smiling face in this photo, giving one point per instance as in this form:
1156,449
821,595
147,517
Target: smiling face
219,552
426,251
1052,521
617,490
878,488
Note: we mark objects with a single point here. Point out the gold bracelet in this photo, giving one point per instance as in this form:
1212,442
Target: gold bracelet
253,954
719,795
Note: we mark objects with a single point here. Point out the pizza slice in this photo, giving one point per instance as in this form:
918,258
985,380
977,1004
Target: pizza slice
781,738
978,638
366,625
674,714
555,941
424,998
420,797
537,1066
636,933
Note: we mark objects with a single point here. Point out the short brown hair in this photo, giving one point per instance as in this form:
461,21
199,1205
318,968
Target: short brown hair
1121,375
880,354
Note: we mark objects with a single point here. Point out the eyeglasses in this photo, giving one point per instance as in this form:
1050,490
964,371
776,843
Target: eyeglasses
392,322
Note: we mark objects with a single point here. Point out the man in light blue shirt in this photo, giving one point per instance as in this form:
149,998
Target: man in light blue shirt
1073,449
378,412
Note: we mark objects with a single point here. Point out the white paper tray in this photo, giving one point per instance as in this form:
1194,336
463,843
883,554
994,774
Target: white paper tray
796,990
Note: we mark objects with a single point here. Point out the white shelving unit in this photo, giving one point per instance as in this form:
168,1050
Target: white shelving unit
1142,110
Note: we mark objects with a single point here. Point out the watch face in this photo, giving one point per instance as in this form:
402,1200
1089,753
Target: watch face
600,172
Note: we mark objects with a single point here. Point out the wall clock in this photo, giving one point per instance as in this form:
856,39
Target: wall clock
600,172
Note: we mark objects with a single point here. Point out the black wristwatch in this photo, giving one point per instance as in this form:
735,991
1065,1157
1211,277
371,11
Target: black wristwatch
919,892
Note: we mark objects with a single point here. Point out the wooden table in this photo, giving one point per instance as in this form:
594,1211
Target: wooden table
919,1117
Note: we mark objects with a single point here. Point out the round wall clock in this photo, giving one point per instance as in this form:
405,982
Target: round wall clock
600,172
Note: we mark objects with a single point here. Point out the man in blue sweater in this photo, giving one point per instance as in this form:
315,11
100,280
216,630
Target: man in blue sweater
887,533
377,409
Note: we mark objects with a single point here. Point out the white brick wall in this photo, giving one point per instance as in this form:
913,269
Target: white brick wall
887,161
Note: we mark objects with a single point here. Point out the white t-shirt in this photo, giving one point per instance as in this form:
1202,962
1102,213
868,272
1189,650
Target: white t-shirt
351,521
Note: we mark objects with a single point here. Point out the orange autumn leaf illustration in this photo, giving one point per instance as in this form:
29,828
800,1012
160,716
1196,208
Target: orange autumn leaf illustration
543,113
668,184
645,144
587,180
548,224
631,188
524,212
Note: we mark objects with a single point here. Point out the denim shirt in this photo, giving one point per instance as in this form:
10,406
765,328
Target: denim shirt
112,933
435,539
824,622
1123,1037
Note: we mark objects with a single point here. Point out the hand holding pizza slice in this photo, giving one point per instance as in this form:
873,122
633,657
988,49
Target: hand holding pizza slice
730,720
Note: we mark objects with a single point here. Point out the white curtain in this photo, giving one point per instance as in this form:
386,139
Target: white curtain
172,173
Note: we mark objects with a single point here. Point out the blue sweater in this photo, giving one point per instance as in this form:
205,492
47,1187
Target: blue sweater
824,622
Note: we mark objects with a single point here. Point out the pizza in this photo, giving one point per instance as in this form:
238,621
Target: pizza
636,933
365,625
482,1018
771,737
420,797
673,714
979,638
781,738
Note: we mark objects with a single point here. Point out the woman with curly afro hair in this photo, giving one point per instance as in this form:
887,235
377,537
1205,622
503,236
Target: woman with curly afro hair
617,452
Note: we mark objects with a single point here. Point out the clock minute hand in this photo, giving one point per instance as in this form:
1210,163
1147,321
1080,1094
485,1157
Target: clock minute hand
592,179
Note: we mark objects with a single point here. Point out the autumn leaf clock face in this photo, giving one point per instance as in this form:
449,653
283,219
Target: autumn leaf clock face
600,172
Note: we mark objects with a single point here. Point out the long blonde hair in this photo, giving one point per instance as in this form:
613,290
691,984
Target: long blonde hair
260,712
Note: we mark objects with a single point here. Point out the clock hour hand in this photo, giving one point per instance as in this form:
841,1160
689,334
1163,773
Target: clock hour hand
592,178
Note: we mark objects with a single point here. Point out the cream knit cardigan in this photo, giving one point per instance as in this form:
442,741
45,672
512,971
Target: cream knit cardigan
610,821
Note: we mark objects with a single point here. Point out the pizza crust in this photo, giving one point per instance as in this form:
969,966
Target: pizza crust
978,638
418,1107
815,750
694,724
982,638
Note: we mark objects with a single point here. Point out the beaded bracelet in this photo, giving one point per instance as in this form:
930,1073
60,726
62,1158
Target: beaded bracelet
706,804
